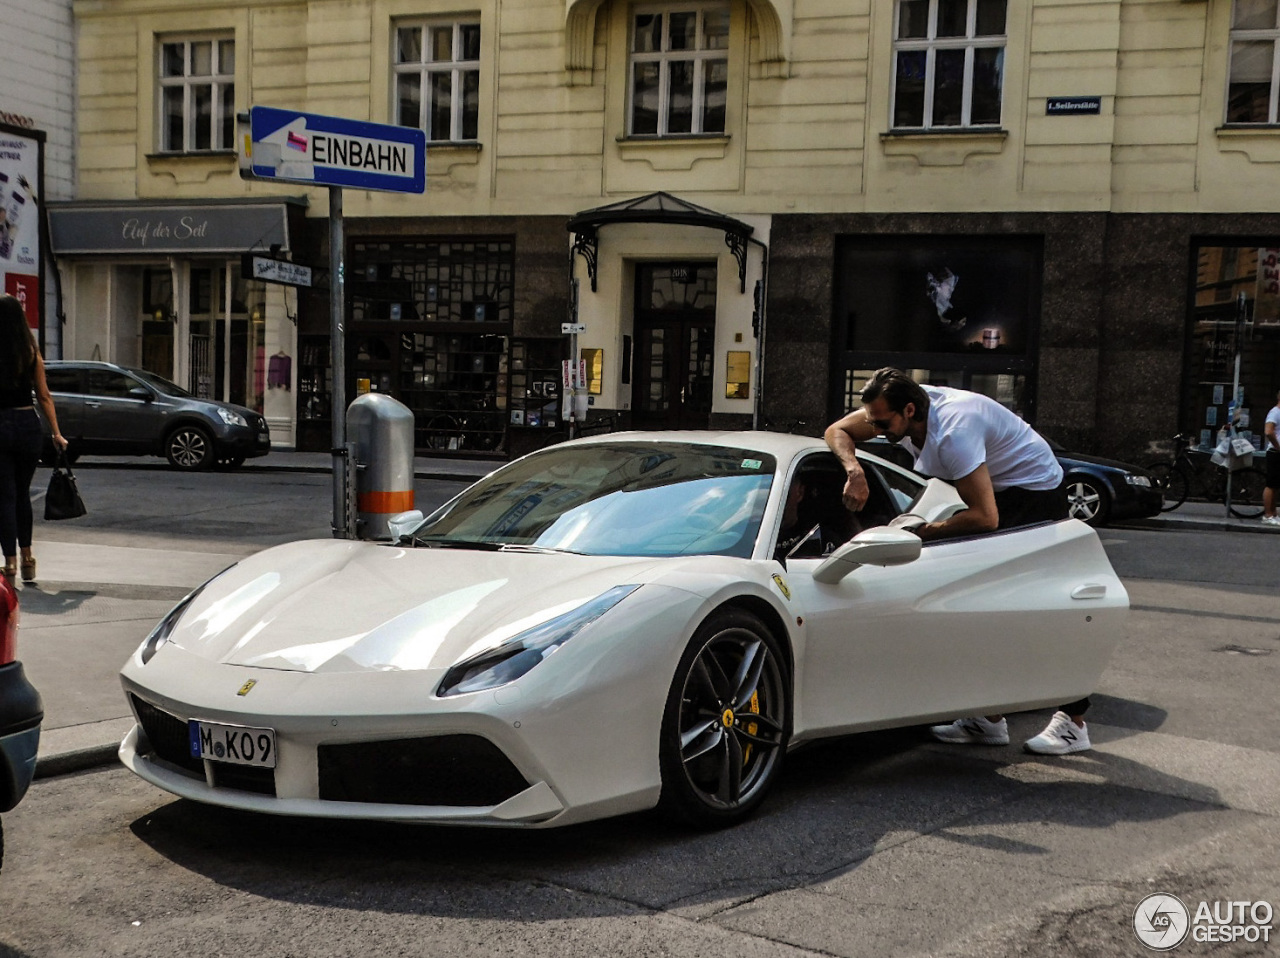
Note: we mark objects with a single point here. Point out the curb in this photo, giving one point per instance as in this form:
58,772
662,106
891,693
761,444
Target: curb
76,760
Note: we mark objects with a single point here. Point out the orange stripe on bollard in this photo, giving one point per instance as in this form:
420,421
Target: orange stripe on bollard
387,502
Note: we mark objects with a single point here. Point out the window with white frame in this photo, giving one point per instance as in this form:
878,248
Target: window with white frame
1255,67
437,79
679,65
948,68
197,94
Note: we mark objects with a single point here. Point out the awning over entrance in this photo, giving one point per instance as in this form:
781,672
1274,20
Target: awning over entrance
657,208
170,228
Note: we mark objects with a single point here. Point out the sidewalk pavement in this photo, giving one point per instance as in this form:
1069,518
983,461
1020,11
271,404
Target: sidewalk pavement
74,640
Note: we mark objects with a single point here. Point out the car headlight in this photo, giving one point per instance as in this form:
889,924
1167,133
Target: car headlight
159,636
1135,480
520,653
232,418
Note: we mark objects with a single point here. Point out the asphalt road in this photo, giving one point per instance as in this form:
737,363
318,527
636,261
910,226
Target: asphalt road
882,844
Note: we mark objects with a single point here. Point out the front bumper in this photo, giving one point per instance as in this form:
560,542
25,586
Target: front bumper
21,712
247,442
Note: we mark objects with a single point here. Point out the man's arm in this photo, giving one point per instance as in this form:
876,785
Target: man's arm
1271,440
841,436
980,516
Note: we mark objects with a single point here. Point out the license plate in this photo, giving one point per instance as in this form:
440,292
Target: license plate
234,744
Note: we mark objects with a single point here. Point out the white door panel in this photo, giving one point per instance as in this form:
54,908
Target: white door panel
972,626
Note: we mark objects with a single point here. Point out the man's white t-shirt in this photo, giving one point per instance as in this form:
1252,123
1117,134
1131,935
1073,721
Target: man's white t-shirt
1273,417
967,429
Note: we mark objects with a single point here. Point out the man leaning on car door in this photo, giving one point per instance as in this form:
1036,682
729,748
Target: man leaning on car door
1003,470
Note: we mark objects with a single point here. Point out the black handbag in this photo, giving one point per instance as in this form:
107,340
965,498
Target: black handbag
63,501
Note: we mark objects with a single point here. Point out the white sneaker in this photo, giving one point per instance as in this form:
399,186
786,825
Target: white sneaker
1060,737
973,731
1271,520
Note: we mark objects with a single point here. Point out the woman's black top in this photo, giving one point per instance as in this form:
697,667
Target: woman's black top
18,394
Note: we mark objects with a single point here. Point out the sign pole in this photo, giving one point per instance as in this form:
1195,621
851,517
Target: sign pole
337,306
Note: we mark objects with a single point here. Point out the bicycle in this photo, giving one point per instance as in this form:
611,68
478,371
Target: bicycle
1176,478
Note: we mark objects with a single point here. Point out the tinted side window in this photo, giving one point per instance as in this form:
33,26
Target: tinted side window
103,382
62,380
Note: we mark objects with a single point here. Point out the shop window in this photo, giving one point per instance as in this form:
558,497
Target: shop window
955,311
451,382
437,79
441,282
1252,85
197,94
948,60
1235,312
679,69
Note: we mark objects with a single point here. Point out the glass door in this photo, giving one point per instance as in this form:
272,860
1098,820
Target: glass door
675,337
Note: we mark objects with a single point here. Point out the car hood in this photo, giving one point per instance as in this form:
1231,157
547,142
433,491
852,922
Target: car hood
343,606
1067,457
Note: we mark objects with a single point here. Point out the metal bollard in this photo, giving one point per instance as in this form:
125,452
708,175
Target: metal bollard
381,431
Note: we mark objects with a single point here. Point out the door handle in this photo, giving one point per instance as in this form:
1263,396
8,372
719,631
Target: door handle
1090,590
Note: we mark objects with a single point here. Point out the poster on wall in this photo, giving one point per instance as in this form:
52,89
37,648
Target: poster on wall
929,296
20,221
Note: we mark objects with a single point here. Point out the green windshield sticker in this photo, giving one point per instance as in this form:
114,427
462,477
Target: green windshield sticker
751,463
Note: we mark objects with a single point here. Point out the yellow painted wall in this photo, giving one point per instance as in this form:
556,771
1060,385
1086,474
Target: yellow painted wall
808,134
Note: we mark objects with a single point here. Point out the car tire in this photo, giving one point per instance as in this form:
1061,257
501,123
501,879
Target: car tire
228,463
1088,500
189,448
726,722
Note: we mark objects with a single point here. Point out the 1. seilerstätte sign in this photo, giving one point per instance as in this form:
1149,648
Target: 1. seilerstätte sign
293,147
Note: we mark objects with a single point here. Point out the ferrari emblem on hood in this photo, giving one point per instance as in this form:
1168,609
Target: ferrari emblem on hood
244,689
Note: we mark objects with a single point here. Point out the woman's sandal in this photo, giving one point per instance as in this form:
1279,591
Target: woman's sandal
29,569
10,569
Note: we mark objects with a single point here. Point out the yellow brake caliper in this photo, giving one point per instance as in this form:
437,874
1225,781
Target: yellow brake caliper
751,726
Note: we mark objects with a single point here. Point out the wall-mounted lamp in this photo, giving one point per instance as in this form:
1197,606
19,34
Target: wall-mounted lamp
164,314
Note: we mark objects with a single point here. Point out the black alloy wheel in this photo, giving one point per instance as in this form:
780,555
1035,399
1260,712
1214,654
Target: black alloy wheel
727,721
189,448
1088,500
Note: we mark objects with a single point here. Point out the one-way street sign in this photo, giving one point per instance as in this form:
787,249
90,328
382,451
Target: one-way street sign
292,147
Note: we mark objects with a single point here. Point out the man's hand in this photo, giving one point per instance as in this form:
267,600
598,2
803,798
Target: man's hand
856,491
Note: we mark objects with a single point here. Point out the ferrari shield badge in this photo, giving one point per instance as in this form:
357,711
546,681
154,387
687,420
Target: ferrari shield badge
782,586
248,686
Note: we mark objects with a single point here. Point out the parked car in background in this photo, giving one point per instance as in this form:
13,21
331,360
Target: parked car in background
1099,490
21,711
110,410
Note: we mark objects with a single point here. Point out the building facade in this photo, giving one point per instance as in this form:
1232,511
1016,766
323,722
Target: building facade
743,205
37,101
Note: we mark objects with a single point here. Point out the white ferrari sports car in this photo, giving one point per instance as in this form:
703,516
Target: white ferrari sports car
608,625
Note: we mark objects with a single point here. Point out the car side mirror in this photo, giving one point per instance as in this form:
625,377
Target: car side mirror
878,546
141,392
402,523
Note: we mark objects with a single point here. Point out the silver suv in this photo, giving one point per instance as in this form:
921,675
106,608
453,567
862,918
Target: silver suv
110,410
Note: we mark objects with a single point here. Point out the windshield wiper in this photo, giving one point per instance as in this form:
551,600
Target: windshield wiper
444,542
520,547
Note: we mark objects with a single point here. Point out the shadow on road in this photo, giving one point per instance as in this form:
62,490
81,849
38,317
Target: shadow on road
838,804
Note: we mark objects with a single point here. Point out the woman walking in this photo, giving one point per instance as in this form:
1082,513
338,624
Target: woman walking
21,374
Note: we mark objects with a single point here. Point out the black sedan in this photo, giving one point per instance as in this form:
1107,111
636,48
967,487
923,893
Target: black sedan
1105,490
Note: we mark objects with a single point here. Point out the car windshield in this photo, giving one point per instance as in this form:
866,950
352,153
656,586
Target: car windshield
614,498
160,384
